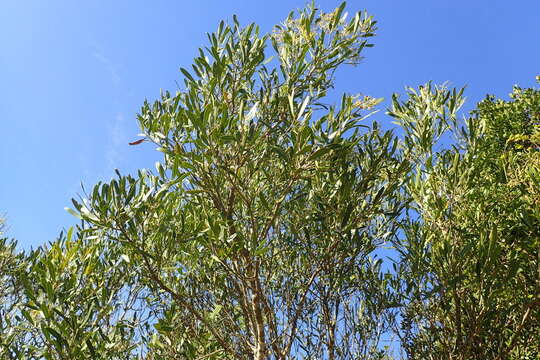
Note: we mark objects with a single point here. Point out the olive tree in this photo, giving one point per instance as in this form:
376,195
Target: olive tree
76,298
11,268
256,232
470,267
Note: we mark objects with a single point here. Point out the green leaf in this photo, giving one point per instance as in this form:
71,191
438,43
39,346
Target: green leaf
187,74
72,212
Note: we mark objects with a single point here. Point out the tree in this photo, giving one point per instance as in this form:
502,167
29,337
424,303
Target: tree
259,234
73,299
471,260
11,266
256,233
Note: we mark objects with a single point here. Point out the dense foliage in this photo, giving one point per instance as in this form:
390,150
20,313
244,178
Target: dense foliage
261,233
470,257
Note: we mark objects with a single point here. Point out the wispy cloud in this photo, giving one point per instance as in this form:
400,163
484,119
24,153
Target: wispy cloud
116,143
109,65
116,138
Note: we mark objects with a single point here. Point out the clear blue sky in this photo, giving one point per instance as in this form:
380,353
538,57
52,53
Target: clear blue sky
73,75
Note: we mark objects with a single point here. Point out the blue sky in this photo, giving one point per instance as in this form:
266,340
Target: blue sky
73,75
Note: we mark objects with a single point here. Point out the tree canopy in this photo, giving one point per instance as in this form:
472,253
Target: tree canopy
470,256
262,232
